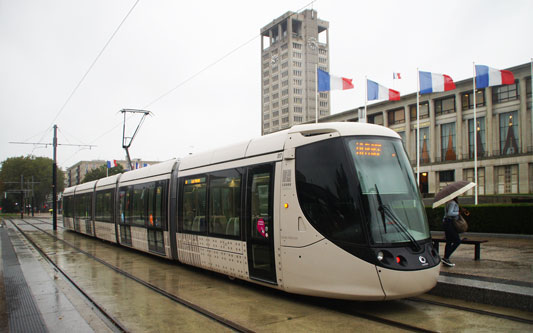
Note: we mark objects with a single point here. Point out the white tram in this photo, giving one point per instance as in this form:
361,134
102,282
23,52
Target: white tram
327,210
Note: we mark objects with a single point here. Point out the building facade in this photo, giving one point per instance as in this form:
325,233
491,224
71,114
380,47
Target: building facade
292,46
503,131
75,174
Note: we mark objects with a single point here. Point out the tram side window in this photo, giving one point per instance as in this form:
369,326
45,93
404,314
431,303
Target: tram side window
139,205
193,213
67,206
225,203
160,216
144,205
327,192
104,206
125,205
83,206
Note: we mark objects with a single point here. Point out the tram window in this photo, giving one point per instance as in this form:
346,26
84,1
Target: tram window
160,207
139,207
194,204
104,206
225,203
66,207
124,202
326,190
83,206
150,203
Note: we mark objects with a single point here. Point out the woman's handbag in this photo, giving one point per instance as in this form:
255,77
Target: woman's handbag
460,224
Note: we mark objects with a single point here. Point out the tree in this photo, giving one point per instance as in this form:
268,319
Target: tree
40,168
101,172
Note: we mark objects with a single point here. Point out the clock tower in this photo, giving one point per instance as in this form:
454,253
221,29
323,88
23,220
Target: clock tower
291,47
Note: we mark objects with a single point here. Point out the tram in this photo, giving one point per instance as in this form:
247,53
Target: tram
328,210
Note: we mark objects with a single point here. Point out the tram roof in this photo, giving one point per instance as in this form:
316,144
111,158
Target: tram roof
149,171
276,142
85,186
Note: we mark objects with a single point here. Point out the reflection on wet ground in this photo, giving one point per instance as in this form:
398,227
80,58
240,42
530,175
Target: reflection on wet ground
258,308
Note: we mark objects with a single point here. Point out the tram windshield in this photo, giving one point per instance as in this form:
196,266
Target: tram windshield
345,183
387,184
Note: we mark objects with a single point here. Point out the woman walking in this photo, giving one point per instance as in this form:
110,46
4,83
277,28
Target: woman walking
453,241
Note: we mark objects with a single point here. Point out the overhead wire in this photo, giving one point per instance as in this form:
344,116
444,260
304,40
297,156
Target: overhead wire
91,66
168,92
213,63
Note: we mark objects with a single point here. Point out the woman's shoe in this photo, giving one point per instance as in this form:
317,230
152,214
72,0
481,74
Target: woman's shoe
447,262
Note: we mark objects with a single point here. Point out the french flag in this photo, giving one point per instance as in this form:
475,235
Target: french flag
487,77
327,82
432,82
376,91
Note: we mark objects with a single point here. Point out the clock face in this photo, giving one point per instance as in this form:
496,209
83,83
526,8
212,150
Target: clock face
312,43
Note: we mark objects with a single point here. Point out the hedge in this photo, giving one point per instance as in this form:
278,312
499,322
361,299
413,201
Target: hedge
490,218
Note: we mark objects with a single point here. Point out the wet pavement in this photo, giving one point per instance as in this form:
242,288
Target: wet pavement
503,261
503,276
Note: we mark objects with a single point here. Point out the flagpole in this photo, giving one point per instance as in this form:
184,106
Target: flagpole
531,81
316,95
366,99
417,127
475,133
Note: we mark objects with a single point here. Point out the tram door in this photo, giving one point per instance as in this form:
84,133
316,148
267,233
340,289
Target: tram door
259,220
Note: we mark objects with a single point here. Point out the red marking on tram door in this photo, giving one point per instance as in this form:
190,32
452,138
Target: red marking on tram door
261,227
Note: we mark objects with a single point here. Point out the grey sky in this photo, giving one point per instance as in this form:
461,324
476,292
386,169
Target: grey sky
46,47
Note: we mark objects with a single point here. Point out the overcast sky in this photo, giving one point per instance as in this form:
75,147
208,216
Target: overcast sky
46,46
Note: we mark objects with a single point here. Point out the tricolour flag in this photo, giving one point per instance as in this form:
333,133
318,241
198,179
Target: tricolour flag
327,82
114,163
396,76
487,77
376,91
432,82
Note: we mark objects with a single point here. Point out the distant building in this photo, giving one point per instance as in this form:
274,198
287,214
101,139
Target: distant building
503,130
74,175
291,47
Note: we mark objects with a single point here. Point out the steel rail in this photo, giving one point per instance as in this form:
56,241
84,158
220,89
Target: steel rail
467,309
101,310
226,322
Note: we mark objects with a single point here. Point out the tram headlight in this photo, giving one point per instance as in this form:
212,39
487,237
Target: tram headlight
380,256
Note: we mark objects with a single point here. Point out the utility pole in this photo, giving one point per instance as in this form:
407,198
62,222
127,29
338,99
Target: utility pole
22,205
54,182
54,171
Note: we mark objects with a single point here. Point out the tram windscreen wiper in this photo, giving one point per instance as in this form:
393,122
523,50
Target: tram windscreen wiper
386,211
381,209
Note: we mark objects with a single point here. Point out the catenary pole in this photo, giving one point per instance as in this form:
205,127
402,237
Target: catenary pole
316,94
475,132
418,127
363,118
54,182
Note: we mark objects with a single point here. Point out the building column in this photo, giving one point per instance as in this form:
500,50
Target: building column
385,119
491,132
489,180
523,175
523,115
408,133
459,128
432,131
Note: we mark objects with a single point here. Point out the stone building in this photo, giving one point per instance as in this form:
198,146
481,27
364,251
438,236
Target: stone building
75,174
503,130
292,46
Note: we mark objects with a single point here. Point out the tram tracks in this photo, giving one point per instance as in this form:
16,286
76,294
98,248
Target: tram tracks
226,322
345,307
116,325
